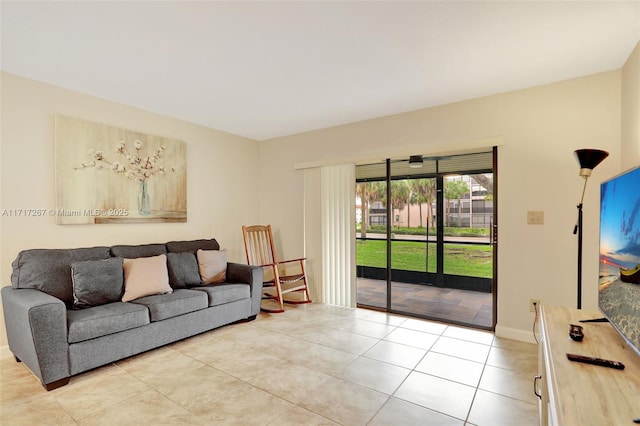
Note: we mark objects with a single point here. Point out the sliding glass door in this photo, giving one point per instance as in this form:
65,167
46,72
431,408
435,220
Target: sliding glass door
424,243
371,243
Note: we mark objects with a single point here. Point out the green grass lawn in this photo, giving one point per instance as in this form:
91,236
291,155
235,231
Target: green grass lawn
459,259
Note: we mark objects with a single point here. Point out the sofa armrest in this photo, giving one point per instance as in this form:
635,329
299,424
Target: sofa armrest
252,275
36,326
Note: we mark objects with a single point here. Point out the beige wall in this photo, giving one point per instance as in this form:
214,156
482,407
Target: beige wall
221,173
631,110
539,127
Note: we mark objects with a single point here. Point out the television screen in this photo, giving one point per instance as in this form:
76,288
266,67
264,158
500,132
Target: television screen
619,284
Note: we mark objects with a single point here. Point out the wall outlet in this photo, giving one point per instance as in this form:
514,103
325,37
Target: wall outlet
534,304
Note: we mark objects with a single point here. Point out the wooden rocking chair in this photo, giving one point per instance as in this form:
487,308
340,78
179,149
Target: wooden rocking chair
259,248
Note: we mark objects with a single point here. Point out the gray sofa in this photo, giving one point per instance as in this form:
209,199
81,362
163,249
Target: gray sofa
57,337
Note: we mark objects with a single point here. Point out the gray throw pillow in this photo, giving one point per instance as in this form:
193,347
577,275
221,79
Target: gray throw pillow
183,270
96,282
49,270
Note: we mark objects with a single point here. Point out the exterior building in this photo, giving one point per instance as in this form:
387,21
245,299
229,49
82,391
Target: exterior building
474,210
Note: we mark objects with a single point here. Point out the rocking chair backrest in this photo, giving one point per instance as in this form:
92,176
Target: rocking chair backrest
258,245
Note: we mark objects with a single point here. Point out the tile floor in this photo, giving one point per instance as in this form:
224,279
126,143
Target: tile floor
313,365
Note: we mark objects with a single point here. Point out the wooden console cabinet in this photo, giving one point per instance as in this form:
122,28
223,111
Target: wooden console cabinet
578,394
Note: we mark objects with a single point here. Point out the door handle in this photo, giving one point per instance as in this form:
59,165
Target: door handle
535,385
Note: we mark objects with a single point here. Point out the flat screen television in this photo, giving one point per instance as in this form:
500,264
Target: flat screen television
619,283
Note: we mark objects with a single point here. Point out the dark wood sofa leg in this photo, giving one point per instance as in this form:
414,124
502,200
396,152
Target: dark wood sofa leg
248,319
17,359
55,385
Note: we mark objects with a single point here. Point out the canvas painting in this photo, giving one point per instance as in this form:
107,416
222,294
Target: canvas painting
106,174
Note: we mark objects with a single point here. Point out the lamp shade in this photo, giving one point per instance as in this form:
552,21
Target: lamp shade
589,159
415,161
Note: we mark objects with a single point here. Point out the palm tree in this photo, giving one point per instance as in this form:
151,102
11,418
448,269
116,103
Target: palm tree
418,195
426,193
430,196
399,194
369,193
362,192
411,201
454,190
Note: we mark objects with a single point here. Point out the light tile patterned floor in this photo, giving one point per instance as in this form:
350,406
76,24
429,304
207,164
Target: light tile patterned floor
313,365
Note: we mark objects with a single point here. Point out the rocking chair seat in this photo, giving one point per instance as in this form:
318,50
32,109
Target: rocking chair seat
288,279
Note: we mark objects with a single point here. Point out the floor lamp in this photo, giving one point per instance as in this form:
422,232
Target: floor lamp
588,160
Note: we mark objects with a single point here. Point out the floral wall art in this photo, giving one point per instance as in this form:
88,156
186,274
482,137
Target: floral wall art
106,174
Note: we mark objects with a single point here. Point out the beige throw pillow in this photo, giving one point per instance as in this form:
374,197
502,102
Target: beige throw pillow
145,276
212,265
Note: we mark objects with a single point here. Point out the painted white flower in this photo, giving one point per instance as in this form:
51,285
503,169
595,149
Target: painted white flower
132,166
121,148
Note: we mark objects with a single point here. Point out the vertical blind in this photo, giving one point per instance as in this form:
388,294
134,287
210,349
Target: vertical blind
329,193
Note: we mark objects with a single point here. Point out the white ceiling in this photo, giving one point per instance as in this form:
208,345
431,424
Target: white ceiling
267,69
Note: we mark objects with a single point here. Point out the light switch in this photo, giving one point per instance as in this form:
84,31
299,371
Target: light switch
535,218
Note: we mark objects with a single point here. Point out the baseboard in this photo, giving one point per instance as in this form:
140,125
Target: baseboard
515,334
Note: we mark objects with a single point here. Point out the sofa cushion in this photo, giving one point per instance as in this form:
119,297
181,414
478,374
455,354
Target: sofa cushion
49,270
97,282
85,324
212,265
183,270
220,294
181,301
192,246
142,250
145,276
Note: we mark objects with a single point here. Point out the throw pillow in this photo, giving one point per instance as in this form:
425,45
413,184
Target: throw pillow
212,265
183,270
145,276
96,282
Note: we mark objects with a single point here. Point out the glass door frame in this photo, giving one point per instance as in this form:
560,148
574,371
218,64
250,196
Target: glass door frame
440,256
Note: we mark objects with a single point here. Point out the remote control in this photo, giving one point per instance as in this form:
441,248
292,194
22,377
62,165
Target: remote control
596,361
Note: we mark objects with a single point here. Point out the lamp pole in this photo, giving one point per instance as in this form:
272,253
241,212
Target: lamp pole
579,228
588,160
